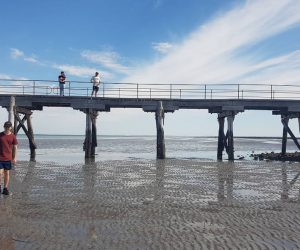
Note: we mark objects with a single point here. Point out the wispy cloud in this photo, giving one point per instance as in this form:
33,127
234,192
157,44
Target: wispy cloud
219,50
80,71
5,76
108,59
18,54
162,47
157,3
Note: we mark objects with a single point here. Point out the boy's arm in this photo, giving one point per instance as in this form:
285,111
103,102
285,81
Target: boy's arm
14,160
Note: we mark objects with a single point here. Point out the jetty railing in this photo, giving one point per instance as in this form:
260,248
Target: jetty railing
153,91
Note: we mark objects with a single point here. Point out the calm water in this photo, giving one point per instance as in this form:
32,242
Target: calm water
68,149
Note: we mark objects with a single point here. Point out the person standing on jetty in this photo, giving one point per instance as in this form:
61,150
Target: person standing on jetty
96,82
8,154
62,80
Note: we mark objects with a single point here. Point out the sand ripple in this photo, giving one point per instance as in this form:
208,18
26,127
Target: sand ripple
170,204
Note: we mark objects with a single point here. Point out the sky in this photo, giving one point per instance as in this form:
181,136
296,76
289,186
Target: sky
152,41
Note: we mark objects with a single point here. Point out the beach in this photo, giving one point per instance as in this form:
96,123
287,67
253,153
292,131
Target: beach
152,204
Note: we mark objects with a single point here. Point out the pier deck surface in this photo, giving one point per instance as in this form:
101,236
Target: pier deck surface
37,102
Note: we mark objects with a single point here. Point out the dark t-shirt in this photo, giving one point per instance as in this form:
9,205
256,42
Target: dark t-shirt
61,78
6,145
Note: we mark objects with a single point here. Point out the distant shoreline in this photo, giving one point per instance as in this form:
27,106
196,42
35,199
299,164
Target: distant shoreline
194,136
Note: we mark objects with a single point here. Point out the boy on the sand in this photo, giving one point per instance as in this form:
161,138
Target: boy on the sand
8,142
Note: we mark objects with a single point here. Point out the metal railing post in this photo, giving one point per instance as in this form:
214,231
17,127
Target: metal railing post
238,91
271,91
103,91
119,93
69,88
170,91
137,91
33,87
150,93
205,91
180,93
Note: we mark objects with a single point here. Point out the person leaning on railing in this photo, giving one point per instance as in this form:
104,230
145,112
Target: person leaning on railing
62,80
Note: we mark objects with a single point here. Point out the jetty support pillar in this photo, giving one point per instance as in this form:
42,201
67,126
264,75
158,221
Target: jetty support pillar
226,141
221,136
94,131
32,144
160,108
285,121
230,147
160,137
12,110
285,117
20,123
90,141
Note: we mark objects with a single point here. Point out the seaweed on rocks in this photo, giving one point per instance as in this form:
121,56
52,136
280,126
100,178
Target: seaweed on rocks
272,156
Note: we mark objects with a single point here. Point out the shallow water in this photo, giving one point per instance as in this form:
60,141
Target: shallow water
69,149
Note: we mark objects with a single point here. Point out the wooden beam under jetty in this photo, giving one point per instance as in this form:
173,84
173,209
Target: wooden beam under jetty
28,131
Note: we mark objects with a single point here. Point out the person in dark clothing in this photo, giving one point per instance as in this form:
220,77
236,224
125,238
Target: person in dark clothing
62,80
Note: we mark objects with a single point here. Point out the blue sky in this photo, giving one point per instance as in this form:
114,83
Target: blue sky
152,41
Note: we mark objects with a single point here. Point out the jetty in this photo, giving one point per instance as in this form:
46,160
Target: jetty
23,97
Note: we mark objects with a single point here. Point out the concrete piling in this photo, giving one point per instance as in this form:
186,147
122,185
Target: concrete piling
160,137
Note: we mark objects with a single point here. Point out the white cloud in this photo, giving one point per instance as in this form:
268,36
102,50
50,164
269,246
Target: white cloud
107,59
18,54
162,47
31,59
217,52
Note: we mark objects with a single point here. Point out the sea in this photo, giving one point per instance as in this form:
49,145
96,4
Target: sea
68,149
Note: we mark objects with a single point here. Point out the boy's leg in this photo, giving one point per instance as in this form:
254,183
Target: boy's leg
1,173
6,178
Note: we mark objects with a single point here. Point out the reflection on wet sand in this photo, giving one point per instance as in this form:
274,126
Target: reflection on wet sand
159,180
155,204
225,178
286,185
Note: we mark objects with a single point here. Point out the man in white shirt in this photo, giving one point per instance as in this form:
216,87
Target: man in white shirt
96,82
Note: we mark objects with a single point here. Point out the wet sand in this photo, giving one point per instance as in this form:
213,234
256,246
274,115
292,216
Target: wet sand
171,204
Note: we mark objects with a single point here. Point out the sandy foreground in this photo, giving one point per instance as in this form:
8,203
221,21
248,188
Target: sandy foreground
170,204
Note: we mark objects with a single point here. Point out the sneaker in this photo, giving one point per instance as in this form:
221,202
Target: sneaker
5,191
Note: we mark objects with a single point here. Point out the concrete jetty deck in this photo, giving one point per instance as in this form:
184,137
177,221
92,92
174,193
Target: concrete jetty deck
37,102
